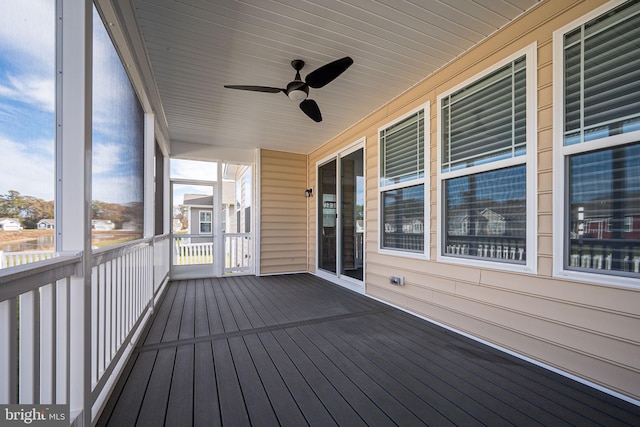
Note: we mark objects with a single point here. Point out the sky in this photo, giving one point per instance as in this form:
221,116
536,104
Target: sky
27,60
27,101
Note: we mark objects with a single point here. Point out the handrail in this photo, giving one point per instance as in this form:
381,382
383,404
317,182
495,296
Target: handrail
20,279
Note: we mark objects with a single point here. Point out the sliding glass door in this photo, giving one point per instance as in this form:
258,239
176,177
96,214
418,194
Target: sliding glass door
341,216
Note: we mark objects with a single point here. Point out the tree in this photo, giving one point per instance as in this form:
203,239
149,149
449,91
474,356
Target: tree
34,210
11,204
30,210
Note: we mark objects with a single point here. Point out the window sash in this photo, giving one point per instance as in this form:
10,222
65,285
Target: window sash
602,76
486,120
485,216
205,222
403,221
603,201
402,150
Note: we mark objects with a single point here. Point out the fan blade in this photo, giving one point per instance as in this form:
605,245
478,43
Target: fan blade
311,109
256,88
327,73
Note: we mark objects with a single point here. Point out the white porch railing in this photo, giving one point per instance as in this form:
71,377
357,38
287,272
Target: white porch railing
193,253
12,259
238,253
238,249
34,331
35,313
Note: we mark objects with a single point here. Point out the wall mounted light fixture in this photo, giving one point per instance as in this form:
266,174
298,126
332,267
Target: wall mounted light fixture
308,192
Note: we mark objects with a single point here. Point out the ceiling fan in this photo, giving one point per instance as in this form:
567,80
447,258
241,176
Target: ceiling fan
298,90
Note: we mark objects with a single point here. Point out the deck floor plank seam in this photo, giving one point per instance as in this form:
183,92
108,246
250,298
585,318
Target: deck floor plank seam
206,409
153,409
216,326
232,405
258,405
201,312
160,316
233,334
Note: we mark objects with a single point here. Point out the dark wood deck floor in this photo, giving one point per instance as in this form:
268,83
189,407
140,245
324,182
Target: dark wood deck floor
297,350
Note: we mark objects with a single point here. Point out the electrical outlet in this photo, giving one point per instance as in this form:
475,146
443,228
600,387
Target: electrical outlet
396,280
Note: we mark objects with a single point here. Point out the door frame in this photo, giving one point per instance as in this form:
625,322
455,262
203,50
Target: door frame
337,277
199,270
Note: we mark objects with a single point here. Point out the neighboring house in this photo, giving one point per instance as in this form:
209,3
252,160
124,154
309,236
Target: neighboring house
595,219
490,223
200,211
46,224
9,224
200,218
102,224
132,226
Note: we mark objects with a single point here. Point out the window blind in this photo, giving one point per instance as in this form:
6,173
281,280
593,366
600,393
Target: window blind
402,146
602,76
486,120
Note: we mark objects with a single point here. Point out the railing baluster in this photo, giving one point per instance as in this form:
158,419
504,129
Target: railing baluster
62,340
29,348
47,343
8,352
94,325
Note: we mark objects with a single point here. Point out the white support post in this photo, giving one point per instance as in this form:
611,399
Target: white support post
218,234
73,188
167,214
149,164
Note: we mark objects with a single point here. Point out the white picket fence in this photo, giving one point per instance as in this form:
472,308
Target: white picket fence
42,321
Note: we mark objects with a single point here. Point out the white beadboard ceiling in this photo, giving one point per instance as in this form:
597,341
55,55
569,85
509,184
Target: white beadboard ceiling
195,47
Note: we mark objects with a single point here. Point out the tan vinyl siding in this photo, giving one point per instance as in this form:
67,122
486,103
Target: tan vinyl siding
587,330
283,212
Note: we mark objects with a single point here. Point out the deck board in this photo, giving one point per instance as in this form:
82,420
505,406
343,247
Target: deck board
296,350
206,411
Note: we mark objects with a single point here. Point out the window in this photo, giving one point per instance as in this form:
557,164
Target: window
598,144
205,222
487,167
403,182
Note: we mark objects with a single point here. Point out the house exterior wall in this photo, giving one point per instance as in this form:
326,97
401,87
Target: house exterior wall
283,212
583,329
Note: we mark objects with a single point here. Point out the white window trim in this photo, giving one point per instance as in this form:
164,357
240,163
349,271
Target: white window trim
560,152
425,181
530,159
200,221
